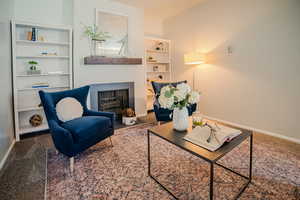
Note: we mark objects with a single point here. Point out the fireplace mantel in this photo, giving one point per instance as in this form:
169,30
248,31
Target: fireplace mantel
100,60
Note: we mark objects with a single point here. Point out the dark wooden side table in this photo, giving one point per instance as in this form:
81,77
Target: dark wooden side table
167,133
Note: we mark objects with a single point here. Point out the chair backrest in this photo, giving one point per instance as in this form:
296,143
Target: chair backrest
50,99
157,86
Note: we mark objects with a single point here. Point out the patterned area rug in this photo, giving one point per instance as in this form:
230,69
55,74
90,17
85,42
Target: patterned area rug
120,172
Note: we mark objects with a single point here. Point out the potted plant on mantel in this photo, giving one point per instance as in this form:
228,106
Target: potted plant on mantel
177,99
95,36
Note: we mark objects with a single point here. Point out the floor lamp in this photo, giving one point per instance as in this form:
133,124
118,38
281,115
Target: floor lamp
194,59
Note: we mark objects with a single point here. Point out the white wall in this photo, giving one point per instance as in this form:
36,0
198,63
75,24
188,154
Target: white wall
44,11
258,85
84,13
153,25
6,116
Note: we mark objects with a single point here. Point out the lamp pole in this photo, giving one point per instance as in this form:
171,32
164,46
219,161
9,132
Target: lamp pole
194,79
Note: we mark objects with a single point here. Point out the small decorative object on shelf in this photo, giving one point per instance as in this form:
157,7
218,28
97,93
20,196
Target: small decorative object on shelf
95,36
33,68
155,68
151,59
128,117
41,38
160,46
36,120
45,53
177,99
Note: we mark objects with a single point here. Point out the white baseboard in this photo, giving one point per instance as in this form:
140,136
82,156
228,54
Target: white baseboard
7,154
141,115
256,130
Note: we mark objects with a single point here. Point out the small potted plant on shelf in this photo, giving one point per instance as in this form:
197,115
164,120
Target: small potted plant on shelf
95,36
33,68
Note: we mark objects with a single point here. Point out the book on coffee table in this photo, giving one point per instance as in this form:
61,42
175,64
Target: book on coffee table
202,136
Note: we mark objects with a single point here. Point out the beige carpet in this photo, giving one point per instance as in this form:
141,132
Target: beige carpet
120,172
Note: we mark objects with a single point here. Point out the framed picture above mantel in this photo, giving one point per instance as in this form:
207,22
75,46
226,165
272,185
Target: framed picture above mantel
101,60
115,25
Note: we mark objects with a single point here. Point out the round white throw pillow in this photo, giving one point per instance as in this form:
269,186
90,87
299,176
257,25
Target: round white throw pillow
68,108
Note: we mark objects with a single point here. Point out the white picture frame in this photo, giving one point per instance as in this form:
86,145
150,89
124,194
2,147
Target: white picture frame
116,25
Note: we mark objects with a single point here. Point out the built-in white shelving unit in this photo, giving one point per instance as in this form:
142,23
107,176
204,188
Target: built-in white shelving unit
55,69
158,64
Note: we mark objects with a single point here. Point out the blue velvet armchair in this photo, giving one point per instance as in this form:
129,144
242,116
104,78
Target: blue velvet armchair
162,114
74,136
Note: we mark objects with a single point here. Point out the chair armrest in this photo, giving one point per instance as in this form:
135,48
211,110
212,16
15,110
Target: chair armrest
156,103
110,115
62,138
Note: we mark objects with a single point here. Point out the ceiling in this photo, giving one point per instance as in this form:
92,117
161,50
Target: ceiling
162,8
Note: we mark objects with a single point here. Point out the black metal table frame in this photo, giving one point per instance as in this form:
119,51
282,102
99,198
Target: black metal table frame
212,163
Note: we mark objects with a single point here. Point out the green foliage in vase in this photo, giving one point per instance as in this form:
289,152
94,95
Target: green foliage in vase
94,34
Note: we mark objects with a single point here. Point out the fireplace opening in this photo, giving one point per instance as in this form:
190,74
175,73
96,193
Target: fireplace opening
113,101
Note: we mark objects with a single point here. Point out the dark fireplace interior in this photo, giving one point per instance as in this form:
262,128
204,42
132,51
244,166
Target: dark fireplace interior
113,101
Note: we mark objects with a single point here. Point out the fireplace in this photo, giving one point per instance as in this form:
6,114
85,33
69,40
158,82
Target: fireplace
113,101
112,97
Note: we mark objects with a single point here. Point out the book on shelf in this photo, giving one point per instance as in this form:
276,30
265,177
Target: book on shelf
212,140
29,35
33,37
40,85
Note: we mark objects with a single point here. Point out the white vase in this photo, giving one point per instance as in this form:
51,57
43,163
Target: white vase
181,119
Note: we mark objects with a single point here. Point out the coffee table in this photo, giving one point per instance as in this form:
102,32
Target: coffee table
167,133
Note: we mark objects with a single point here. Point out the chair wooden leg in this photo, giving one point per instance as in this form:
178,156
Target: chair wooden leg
111,142
72,164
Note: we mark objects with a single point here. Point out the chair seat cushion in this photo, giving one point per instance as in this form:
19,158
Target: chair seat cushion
85,128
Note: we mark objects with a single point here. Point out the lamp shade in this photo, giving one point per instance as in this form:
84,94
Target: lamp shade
194,58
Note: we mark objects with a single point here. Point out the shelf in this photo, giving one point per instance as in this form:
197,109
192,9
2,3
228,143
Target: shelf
155,51
158,62
43,26
38,75
43,88
29,128
42,57
100,60
56,54
42,43
29,109
158,72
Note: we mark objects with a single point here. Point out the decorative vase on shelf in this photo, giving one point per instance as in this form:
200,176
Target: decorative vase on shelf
93,46
180,119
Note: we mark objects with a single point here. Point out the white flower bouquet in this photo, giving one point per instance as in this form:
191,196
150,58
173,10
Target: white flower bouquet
177,97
